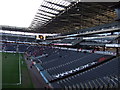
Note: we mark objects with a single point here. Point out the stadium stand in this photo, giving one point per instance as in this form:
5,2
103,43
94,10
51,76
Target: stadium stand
22,39
67,41
86,58
102,28
22,47
101,78
10,47
11,38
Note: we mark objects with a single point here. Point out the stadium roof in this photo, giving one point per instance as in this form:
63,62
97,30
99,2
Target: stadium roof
63,17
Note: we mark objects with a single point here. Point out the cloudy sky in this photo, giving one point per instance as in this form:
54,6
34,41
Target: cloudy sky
18,13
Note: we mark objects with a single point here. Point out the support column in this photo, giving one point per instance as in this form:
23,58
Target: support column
112,33
104,48
117,51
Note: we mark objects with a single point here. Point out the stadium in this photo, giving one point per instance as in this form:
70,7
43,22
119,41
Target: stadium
69,44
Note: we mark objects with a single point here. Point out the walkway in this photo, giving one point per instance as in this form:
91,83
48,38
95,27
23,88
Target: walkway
37,79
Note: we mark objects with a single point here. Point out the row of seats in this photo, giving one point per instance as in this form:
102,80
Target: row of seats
22,48
54,55
103,76
22,39
73,63
98,28
59,63
36,51
14,47
10,47
102,40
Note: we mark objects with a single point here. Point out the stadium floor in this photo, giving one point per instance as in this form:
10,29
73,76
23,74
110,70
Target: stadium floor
14,71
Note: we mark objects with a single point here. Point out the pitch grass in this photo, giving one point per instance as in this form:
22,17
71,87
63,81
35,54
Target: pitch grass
10,71
10,68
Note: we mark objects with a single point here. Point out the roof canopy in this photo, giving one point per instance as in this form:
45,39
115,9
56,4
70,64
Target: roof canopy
59,16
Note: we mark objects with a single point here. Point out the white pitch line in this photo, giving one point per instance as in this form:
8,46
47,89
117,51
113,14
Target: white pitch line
19,71
10,84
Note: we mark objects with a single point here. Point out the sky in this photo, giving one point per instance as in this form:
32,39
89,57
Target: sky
19,13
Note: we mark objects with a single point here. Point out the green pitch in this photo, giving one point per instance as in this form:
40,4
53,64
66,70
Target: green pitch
10,68
14,71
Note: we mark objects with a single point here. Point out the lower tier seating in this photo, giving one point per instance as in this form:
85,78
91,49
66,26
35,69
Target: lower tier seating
106,75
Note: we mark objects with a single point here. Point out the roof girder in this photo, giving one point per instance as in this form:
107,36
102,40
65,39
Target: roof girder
56,4
50,8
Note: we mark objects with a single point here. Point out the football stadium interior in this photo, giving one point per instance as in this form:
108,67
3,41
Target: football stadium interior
68,45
